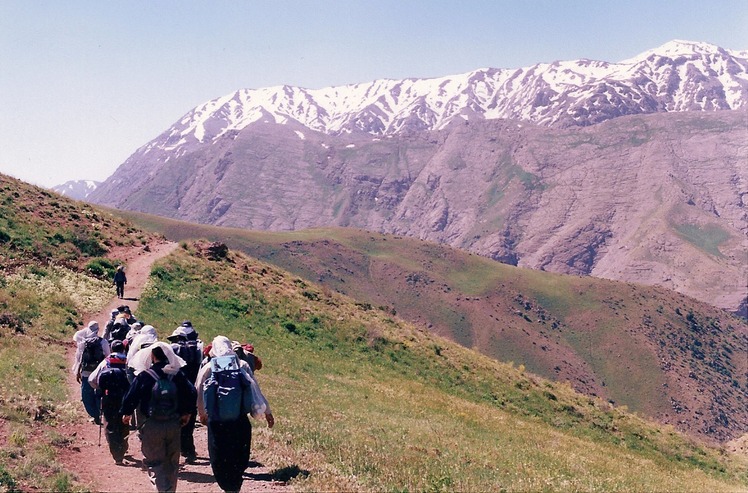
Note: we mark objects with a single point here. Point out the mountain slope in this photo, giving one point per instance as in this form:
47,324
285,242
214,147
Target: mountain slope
658,199
377,405
682,358
364,401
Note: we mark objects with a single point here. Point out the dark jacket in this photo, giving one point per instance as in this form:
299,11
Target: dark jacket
139,394
120,276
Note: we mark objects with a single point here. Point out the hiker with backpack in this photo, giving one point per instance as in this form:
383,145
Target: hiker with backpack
91,350
166,399
146,336
227,392
109,380
247,353
189,351
120,279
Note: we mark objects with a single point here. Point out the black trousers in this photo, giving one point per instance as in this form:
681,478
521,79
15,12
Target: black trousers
120,289
188,439
116,435
228,448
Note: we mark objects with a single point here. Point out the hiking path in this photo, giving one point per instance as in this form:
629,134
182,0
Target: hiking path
93,464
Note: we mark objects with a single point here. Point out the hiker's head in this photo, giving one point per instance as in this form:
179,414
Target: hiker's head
120,268
121,308
178,335
186,323
157,354
221,347
93,326
118,347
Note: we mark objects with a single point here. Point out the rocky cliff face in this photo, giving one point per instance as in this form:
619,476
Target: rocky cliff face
658,199
632,171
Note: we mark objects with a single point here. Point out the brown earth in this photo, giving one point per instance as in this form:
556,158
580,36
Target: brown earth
92,463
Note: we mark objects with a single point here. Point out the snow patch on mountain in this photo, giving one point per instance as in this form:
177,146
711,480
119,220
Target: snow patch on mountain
677,76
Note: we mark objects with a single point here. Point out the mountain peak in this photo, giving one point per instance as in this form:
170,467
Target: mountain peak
675,48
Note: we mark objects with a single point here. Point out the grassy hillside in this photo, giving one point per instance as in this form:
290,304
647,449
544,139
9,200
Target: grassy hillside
365,401
55,258
661,354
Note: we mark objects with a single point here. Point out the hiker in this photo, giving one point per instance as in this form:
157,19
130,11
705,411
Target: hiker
127,315
134,332
120,279
119,330
92,349
191,354
225,412
167,399
109,380
246,352
146,337
108,327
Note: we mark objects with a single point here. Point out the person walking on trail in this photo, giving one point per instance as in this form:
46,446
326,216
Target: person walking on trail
189,351
225,412
109,380
167,400
120,279
91,350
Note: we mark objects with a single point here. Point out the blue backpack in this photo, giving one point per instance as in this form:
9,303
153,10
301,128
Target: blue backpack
226,392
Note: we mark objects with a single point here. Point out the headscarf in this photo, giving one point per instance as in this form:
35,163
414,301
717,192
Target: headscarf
142,359
146,335
90,331
221,347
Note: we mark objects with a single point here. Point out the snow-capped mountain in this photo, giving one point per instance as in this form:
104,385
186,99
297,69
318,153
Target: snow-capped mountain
677,76
77,189
575,189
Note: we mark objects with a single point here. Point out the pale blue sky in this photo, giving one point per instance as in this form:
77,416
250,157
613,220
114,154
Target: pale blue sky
85,83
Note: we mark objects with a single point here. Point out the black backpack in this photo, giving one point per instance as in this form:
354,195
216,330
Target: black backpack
190,353
119,331
113,384
93,353
164,402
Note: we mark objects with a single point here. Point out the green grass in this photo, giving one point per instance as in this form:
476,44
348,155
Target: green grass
366,402
706,238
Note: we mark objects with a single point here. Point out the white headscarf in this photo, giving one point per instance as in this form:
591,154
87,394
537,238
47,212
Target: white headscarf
146,335
221,347
90,331
142,359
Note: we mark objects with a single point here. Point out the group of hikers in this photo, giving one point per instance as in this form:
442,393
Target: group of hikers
136,382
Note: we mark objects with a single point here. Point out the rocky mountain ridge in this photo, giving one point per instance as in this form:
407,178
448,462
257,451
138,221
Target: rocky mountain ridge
657,196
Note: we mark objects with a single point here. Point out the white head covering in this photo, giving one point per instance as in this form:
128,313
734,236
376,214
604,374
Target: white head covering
90,331
142,359
221,347
146,335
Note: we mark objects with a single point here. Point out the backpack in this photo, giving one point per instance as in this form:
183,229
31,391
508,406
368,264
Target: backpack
113,383
190,353
119,331
224,391
164,401
93,353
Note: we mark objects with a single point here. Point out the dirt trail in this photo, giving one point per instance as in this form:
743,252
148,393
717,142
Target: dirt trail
95,466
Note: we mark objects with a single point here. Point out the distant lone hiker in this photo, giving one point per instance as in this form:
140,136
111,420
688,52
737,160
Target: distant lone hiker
120,279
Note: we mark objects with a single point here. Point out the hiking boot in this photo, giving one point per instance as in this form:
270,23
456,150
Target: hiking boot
190,459
119,462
